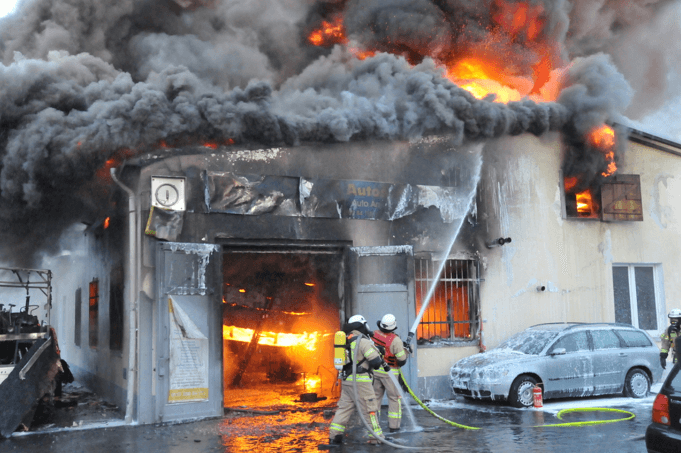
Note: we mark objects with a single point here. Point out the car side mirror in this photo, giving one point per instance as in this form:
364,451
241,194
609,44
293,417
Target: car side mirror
558,351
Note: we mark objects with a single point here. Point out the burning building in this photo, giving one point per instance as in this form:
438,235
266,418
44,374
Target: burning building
246,183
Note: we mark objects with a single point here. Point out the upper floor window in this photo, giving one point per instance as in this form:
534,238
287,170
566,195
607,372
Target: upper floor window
616,198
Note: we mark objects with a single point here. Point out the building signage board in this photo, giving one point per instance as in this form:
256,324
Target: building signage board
336,199
188,358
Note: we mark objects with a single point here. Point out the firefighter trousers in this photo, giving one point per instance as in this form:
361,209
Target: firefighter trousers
346,406
383,384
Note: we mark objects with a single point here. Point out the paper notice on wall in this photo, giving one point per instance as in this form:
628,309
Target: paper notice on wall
188,358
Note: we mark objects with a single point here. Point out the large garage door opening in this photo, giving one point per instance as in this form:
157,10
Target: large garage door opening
280,311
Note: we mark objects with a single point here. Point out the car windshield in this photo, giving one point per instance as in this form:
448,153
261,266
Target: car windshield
529,341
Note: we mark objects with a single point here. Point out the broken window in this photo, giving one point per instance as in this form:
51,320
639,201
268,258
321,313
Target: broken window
452,313
94,313
78,320
116,309
637,298
616,198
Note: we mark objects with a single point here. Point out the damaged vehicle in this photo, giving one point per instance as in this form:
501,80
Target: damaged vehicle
565,360
30,362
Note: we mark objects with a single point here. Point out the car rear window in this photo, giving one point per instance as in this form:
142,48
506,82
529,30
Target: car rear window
634,339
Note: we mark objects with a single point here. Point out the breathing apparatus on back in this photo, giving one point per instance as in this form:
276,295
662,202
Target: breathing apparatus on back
343,341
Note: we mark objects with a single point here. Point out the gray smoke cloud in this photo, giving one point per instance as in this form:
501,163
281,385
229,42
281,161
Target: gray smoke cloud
82,80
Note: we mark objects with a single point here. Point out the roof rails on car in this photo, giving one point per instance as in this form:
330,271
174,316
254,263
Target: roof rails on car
573,324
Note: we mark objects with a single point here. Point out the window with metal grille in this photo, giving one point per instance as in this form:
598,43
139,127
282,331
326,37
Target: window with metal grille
452,313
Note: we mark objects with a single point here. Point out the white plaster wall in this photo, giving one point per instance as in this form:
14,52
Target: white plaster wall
520,198
571,257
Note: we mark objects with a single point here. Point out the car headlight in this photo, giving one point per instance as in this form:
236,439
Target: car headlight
488,374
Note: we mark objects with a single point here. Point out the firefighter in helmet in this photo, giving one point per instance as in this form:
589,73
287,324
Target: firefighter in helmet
367,359
669,337
395,355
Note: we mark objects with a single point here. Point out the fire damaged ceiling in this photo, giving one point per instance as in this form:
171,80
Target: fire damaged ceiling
88,84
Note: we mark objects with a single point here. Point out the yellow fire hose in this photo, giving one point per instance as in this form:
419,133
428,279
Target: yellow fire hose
559,415
458,425
427,409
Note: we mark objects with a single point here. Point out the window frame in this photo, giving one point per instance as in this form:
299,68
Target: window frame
93,314
658,286
422,287
78,317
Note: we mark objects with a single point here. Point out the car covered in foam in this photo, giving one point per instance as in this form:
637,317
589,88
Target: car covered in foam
564,360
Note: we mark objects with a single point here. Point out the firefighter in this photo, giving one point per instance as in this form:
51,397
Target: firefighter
669,337
395,356
368,359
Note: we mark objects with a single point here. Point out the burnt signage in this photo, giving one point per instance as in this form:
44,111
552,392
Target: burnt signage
340,199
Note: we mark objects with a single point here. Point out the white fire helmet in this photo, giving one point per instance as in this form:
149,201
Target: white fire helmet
388,323
675,313
357,318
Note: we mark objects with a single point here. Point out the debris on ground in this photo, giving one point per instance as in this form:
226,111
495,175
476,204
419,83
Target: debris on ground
77,406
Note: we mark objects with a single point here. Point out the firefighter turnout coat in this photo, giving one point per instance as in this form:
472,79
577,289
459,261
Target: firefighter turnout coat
367,356
668,339
395,356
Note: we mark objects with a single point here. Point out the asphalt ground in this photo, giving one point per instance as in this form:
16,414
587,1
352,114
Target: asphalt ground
303,428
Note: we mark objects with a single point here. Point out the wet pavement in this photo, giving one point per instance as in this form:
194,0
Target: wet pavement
300,428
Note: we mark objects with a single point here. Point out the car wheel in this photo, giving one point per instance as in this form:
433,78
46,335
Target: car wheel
521,394
636,384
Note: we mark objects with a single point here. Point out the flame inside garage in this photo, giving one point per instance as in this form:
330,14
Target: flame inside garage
280,311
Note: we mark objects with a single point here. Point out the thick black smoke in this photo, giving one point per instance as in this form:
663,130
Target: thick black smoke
81,80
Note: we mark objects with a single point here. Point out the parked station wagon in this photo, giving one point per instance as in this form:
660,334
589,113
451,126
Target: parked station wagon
564,360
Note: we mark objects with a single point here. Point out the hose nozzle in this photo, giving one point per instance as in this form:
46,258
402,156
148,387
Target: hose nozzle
407,342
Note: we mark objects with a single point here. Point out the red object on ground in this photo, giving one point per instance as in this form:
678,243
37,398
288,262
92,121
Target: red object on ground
536,392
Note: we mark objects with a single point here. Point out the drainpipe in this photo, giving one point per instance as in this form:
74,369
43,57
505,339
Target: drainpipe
132,366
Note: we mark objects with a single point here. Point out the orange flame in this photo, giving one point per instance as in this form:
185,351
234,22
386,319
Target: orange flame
584,202
520,20
329,34
307,340
570,182
311,382
603,138
483,73
106,222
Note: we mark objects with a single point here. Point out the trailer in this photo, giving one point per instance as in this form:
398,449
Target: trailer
30,361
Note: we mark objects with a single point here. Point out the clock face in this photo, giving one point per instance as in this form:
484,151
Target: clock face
166,195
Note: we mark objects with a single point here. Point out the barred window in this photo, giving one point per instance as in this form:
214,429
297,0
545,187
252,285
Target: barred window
453,310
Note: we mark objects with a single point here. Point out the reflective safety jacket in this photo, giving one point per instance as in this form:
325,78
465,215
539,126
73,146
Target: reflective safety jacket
395,354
